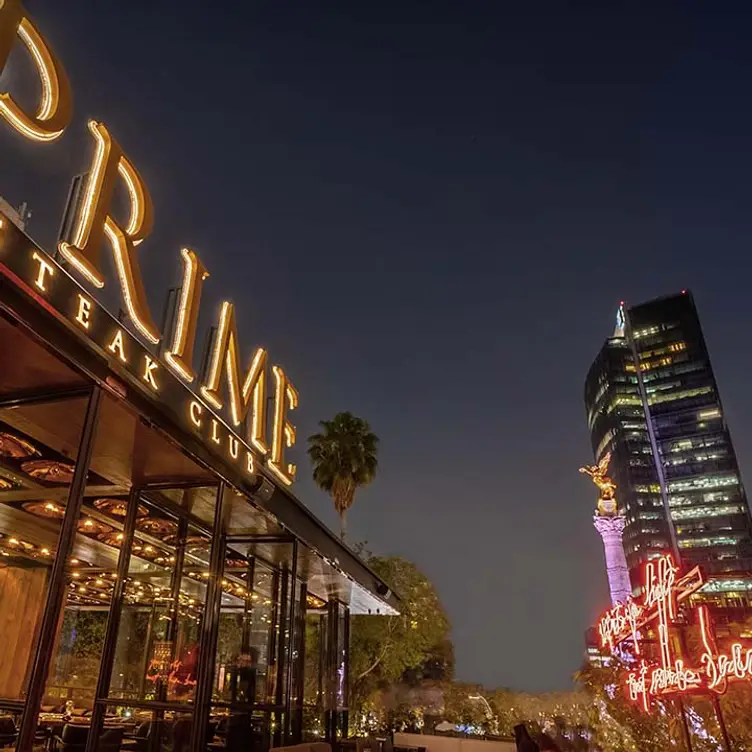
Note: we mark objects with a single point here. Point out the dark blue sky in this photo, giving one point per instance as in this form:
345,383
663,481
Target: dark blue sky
428,211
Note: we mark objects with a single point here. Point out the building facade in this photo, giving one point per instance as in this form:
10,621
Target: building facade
146,583
162,589
652,400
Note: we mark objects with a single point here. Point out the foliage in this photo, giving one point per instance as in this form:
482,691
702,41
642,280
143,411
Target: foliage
344,458
462,711
736,706
560,714
620,725
383,649
437,667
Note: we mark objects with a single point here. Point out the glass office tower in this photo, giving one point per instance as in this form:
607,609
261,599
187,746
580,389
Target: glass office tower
652,400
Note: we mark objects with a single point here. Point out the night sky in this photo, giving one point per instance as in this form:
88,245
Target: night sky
428,212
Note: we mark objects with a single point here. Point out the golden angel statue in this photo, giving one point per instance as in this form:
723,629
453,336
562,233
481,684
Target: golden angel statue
598,473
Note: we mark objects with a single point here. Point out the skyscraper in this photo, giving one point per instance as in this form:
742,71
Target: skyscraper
653,402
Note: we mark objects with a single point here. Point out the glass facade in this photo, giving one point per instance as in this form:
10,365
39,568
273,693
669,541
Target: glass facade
145,598
652,400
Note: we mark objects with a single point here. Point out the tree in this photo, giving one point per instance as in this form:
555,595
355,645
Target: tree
620,725
344,458
383,649
463,708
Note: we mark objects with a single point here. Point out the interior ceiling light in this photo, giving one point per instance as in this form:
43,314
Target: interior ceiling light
118,507
50,471
49,509
92,527
15,447
157,526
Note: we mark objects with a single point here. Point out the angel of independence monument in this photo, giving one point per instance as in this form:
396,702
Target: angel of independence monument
609,521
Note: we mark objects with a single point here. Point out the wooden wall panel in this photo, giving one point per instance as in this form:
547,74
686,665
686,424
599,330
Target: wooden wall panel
22,598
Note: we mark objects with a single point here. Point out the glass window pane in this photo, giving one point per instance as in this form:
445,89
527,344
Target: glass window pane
38,452
156,654
245,630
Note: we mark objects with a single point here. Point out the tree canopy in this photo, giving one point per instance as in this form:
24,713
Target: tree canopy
344,458
383,649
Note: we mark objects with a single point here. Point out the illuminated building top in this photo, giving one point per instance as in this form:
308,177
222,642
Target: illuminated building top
652,401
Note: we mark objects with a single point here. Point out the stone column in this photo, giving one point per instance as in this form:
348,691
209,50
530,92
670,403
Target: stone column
611,530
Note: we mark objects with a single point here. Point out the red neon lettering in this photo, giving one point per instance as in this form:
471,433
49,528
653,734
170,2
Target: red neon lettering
721,669
674,679
638,686
622,618
663,592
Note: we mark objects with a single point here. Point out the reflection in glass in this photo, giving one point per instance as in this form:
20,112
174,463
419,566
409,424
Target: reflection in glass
242,666
157,648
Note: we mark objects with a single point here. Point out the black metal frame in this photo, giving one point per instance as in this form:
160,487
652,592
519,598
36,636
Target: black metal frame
283,628
336,720
57,586
113,620
287,674
279,667
294,727
209,628
44,396
55,334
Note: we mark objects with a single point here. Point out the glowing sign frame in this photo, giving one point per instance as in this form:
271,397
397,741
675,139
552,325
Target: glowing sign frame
663,594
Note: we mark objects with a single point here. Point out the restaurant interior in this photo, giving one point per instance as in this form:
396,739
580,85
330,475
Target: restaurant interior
145,602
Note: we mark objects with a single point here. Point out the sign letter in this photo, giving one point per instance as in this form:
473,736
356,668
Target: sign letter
56,108
243,393
283,433
149,367
84,311
116,346
45,268
94,222
180,355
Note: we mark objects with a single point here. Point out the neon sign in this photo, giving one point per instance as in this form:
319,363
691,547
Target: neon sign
615,622
664,590
721,669
243,394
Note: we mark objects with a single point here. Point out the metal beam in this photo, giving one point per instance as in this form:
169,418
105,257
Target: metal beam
37,396
209,630
60,494
113,622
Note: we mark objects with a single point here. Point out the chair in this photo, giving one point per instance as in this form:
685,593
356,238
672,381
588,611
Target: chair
145,733
141,736
370,744
8,732
238,733
222,726
110,740
181,734
72,738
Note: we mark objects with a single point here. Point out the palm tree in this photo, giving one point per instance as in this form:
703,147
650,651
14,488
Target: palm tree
344,459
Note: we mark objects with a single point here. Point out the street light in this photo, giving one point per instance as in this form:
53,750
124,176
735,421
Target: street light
489,713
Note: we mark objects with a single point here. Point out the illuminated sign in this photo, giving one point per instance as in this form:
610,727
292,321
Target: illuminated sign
616,621
663,591
246,440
